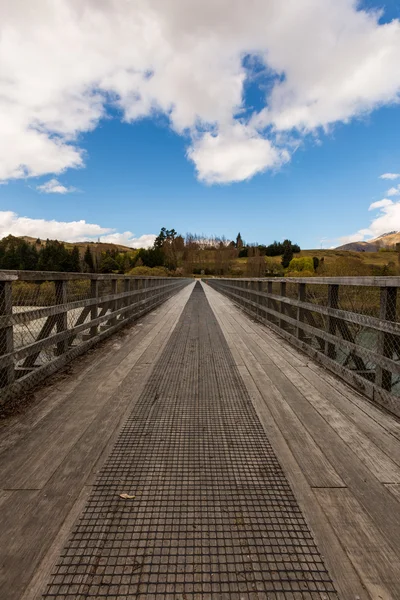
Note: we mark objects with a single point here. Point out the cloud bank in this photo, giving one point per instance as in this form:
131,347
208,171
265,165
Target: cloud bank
72,231
65,63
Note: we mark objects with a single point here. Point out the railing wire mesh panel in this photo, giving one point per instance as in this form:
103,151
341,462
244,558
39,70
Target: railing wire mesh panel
351,325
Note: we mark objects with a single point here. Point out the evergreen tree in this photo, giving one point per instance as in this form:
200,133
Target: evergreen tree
17,254
108,264
239,241
152,257
75,260
88,260
54,256
287,254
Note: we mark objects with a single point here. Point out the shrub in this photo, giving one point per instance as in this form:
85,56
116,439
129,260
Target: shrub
305,263
149,272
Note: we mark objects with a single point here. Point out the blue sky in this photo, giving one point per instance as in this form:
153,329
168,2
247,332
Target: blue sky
248,166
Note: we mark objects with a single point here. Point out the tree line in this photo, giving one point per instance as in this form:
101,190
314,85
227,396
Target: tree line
52,255
171,254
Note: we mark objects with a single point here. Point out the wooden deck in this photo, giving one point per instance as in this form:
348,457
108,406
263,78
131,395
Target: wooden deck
340,453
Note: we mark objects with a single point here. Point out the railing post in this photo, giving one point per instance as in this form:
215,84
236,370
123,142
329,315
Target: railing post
301,297
269,301
94,293
62,318
139,287
253,297
387,312
7,374
126,302
114,303
260,300
282,322
333,302
145,285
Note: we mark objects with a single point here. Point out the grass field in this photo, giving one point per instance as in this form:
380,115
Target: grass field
344,262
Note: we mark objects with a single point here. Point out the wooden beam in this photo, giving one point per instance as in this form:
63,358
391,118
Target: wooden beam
386,342
333,302
62,318
7,373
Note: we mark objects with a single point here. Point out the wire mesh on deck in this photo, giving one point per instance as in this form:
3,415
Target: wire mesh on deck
213,515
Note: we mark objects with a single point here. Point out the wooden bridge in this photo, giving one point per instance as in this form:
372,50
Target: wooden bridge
199,452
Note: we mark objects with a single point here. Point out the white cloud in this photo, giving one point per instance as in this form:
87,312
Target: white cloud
387,220
53,186
348,239
389,176
380,204
394,191
234,155
63,64
69,231
128,239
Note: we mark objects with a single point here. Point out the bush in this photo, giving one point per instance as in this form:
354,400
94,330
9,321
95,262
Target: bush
305,263
305,273
149,272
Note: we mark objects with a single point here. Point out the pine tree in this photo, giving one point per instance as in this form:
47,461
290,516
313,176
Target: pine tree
75,260
239,241
287,254
88,259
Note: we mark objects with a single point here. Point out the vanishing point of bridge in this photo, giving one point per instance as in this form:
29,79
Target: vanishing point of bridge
197,453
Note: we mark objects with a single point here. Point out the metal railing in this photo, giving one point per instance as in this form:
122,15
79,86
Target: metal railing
349,324
47,319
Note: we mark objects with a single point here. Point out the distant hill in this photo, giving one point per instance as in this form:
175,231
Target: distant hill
387,240
94,246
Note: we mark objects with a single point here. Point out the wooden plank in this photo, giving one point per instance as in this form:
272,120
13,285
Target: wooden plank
272,340
13,275
318,471
381,324
49,396
265,341
388,401
45,446
394,488
28,534
7,373
384,418
384,469
4,496
392,281
45,339
26,382
62,318
346,579
386,343
377,564
36,586
371,494
26,316
370,427
343,342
